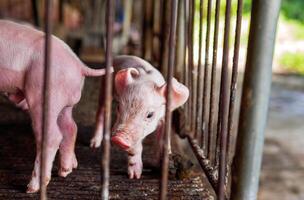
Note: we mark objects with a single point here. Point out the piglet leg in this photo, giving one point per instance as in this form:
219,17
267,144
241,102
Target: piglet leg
98,134
135,162
68,128
53,141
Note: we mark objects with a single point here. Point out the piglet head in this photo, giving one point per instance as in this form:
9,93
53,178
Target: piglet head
141,106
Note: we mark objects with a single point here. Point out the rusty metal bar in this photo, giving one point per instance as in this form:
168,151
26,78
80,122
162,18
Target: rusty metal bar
210,171
186,70
46,94
255,99
233,85
165,37
212,100
193,68
105,161
168,116
192,73
206,74
200,84
179,56
224,105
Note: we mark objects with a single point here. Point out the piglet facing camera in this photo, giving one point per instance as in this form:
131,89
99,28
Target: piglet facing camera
141,95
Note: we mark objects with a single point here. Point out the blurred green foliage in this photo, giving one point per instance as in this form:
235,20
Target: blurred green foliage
246,6
293,10
293,62
292,16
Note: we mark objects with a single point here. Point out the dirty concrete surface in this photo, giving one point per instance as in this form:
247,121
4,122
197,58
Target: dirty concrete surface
17,152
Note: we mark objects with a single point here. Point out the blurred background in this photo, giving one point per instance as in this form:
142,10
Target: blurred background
81,25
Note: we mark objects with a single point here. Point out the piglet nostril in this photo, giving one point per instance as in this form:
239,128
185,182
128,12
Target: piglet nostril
121,141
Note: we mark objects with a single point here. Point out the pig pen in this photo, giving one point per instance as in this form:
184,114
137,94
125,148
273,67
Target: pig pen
203,128
17,154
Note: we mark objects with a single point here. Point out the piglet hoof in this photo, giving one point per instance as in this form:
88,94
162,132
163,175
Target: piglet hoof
33,186
95,142
75,163
135,170
63,172
31,190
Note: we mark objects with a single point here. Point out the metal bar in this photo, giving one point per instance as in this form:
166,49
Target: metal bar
165,163
212,100
165,36
148,27
210,171
255,99
105,161
156,36
160,32
192,72
35,13
46,94
224,105
233,86
61,10
200,84
186,78
179,56
193,69
206,74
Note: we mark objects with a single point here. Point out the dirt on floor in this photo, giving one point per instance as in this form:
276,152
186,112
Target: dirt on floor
282,176
17,153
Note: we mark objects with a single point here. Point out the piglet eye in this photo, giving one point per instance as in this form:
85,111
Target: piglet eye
150,115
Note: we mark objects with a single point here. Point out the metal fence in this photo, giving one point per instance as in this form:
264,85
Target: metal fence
209,113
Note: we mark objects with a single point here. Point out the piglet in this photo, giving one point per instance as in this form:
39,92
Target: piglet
21,80
140,91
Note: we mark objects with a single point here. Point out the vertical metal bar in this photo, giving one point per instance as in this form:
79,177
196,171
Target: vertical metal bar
61,10
234,75
165,163
200,74
148,27
255,99
45,92
165,36
206,74
212,100
35,12
186,70
192,72
224,103
179,56
105,161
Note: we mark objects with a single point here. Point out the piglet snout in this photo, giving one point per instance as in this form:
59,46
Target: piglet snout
121,140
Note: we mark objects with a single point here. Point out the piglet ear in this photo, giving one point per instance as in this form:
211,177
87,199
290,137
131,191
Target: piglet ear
180,93
125,77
